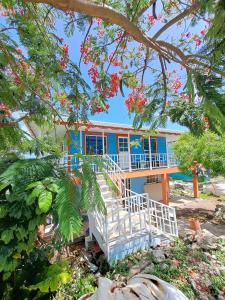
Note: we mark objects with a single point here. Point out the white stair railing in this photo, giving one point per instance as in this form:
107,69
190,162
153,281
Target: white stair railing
159,215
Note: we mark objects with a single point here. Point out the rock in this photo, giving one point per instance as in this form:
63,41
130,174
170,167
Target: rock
202,296
134,271
149,269
189,236
179,186
219,214
158,255
206,240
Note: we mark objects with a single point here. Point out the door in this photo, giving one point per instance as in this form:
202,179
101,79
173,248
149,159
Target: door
123,152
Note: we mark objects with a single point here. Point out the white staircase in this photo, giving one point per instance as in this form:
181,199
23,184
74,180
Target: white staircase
132,222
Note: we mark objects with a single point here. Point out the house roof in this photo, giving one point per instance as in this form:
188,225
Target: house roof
119,126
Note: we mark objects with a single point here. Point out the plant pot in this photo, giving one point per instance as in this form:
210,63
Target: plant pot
195,224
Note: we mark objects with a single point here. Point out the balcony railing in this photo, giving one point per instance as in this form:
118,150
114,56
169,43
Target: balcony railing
132,162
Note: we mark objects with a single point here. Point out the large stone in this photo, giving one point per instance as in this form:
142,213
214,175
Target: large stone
206,240
159,255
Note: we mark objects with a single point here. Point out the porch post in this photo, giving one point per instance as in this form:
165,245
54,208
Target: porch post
195,181
129,152
168,185
81,146
150,152
165,194
103,142
167,155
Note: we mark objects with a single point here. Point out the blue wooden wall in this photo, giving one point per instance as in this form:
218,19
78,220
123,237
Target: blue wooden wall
112,146
112,143
161,145
136,149
137,184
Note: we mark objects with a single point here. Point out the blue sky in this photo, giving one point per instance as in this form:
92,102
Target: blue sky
118,112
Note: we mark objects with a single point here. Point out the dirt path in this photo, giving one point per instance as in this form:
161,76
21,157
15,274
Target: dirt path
203,209
189,206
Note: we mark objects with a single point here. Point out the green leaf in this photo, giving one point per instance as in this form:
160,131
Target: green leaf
34,194
3,211
3,185
53,188
45,201
7,236
33,184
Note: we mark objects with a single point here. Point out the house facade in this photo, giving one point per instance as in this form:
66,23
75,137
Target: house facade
138,214
145,159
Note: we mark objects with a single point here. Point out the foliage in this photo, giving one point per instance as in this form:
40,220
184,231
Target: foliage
80,286
30,189
208,150
39,78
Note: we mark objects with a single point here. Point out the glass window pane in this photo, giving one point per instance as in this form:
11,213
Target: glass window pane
153,145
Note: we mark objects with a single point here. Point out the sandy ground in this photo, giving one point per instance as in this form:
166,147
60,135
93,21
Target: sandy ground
203,209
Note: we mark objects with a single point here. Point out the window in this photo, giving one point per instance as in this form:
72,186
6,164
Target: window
123,144
146,146
153,179
94,144
154,145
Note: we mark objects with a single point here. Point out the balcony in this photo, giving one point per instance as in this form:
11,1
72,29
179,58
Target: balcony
129,162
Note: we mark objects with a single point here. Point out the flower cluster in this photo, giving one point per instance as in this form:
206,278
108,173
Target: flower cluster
62,98
64,59
93,73
151,19
114,61
136,100
176,85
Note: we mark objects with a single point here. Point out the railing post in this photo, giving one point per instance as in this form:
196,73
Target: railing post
150,152
167,155
129,152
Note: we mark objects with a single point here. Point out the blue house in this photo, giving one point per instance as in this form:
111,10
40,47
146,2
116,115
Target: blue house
144,159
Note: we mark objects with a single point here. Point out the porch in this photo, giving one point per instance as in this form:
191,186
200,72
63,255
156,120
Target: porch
128,162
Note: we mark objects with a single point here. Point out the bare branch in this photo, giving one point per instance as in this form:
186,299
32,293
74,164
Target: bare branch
164,84
145,64
176,19
85,39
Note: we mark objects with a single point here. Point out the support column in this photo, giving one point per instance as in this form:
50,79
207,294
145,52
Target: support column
195,182
81,142
129,152
168,185
103,142
165,194
167,155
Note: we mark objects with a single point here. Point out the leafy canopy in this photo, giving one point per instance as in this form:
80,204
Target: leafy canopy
157,54
208,150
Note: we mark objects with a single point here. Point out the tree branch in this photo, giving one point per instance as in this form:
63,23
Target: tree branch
13,123
104,12
176,19
164,84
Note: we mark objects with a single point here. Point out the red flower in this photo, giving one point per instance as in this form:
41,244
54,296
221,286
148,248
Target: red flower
114,83
203,32
19,51
136,100
93,73
176,85
151,19
66,50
